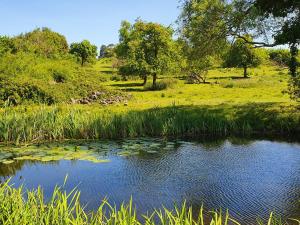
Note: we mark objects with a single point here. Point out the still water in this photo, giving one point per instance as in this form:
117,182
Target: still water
248,177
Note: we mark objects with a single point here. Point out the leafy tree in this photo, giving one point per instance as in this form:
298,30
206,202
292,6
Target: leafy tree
203,32
107,51
43,42
84,50
203,26
242,55
146,49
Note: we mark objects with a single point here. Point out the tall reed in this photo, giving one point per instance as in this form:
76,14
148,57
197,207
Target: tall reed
72,122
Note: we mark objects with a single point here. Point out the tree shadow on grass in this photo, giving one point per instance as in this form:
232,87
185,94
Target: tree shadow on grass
135,84
231,77
107,72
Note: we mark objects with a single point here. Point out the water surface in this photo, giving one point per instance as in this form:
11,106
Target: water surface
250,178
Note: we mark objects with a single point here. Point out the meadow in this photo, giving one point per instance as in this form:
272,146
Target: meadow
227,105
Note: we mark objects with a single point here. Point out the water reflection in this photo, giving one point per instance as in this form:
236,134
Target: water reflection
251,178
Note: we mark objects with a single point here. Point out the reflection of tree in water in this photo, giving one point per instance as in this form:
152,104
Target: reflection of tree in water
210,143
213,143
9,170
241,141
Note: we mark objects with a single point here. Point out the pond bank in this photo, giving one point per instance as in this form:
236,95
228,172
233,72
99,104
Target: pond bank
42,123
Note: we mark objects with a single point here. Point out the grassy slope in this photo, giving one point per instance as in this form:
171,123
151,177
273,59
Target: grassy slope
28,69
228,105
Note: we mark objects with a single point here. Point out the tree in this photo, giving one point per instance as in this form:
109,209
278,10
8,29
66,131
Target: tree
270,22
84,50
43,42
107,51
146,49
242,55
203,32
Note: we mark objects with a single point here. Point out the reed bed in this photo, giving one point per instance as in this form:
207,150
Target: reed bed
54,123
30,207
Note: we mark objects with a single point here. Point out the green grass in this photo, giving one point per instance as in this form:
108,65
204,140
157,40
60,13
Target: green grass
228,105
30,207
24,69
37,124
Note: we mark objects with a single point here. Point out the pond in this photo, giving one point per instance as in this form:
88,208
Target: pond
251,178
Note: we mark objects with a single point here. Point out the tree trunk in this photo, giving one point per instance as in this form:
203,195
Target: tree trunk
245,72
145,80
82,61
154,80
293,62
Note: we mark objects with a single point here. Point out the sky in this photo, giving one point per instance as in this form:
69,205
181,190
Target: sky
95,20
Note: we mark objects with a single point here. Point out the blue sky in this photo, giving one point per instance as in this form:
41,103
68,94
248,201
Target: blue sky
95,20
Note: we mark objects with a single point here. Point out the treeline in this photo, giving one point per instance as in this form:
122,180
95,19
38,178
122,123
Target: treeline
210,30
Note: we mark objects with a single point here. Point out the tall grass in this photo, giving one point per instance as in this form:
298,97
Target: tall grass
19,207
72,122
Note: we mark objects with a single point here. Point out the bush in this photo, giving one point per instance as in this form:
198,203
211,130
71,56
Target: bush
162,84
59,77
14,94
280,56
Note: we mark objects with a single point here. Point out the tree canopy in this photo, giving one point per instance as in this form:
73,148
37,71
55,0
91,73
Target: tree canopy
146,49
242,55
107,51
206,25
84,50
43,42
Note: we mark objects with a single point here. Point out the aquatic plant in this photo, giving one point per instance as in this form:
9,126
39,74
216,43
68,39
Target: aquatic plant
46,153
30,207
45,123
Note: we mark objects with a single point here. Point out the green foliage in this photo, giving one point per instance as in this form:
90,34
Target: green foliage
107,51
85,51
61,79
280,56
289,31
13,94
6,45
203,27
294,88
59,76
242,55
146,49
24,124
203,35
42,42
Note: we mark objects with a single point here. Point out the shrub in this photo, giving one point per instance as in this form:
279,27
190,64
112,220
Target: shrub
280,56
59,77
14,94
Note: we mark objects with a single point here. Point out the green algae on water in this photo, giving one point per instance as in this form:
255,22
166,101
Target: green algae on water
49,153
